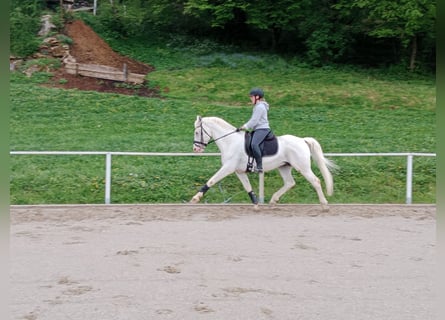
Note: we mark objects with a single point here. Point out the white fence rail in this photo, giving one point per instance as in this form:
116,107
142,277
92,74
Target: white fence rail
409,162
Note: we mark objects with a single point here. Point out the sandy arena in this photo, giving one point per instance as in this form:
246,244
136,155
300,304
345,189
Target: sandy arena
223,262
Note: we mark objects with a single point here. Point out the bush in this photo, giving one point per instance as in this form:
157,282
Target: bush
23,33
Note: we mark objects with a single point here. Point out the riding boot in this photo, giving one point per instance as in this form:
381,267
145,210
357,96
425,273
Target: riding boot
259,164
258,159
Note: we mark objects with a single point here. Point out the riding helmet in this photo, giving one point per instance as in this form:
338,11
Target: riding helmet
256,92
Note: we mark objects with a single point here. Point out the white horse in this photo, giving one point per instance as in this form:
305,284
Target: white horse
293,152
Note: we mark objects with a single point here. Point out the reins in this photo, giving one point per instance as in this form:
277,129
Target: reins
223,136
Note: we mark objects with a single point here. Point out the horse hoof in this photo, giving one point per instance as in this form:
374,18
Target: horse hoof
194,200
325,209
256,207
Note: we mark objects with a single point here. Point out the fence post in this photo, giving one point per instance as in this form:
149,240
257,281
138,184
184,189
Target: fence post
261,188
125,72
409,179
108,178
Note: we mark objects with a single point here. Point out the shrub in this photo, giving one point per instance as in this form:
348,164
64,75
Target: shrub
23,33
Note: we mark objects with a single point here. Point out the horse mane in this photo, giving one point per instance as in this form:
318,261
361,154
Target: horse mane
221,122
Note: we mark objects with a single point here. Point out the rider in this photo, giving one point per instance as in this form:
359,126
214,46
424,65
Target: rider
258,123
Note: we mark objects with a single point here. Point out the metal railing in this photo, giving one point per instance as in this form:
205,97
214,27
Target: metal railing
409,162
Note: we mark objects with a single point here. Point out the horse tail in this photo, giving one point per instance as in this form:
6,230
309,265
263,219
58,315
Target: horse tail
324,164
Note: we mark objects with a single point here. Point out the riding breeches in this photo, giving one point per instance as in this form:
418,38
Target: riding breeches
258,136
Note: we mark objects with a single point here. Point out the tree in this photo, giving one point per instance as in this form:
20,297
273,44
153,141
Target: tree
408,21
306,26
271,16
275,16
326,36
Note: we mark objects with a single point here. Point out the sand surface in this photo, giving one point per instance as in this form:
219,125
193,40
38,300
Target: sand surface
222,262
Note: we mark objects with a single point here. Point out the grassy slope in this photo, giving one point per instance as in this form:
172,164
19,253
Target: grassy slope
347,111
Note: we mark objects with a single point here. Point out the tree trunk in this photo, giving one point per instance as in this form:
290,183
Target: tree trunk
412,62
275,34
61,11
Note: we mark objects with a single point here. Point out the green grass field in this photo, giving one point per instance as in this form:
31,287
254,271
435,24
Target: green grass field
346,110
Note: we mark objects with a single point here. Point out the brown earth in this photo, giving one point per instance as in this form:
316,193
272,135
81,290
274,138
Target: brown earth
89,48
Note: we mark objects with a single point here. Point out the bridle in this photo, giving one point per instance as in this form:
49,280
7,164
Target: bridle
202,144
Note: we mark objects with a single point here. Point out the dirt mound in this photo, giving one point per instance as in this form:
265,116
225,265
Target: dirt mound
89,48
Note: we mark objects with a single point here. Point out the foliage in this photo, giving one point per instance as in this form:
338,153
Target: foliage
49,63
127,20
28,7
219,12
410,23
387,18
64,39
366,32
24,20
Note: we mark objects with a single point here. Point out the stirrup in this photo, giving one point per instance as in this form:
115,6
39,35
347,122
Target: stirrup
250,166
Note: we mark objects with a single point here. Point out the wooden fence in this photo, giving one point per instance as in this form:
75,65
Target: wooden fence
104,72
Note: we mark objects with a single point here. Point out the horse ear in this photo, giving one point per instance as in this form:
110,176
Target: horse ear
198,121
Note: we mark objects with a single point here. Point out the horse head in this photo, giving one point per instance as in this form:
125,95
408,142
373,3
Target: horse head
201,136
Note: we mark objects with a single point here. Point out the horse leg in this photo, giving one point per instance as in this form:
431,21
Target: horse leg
289,182
315,182
219,175
242,176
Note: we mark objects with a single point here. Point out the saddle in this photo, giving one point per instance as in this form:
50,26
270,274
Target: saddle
268,147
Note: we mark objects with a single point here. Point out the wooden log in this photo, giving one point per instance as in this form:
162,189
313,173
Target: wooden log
104,72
